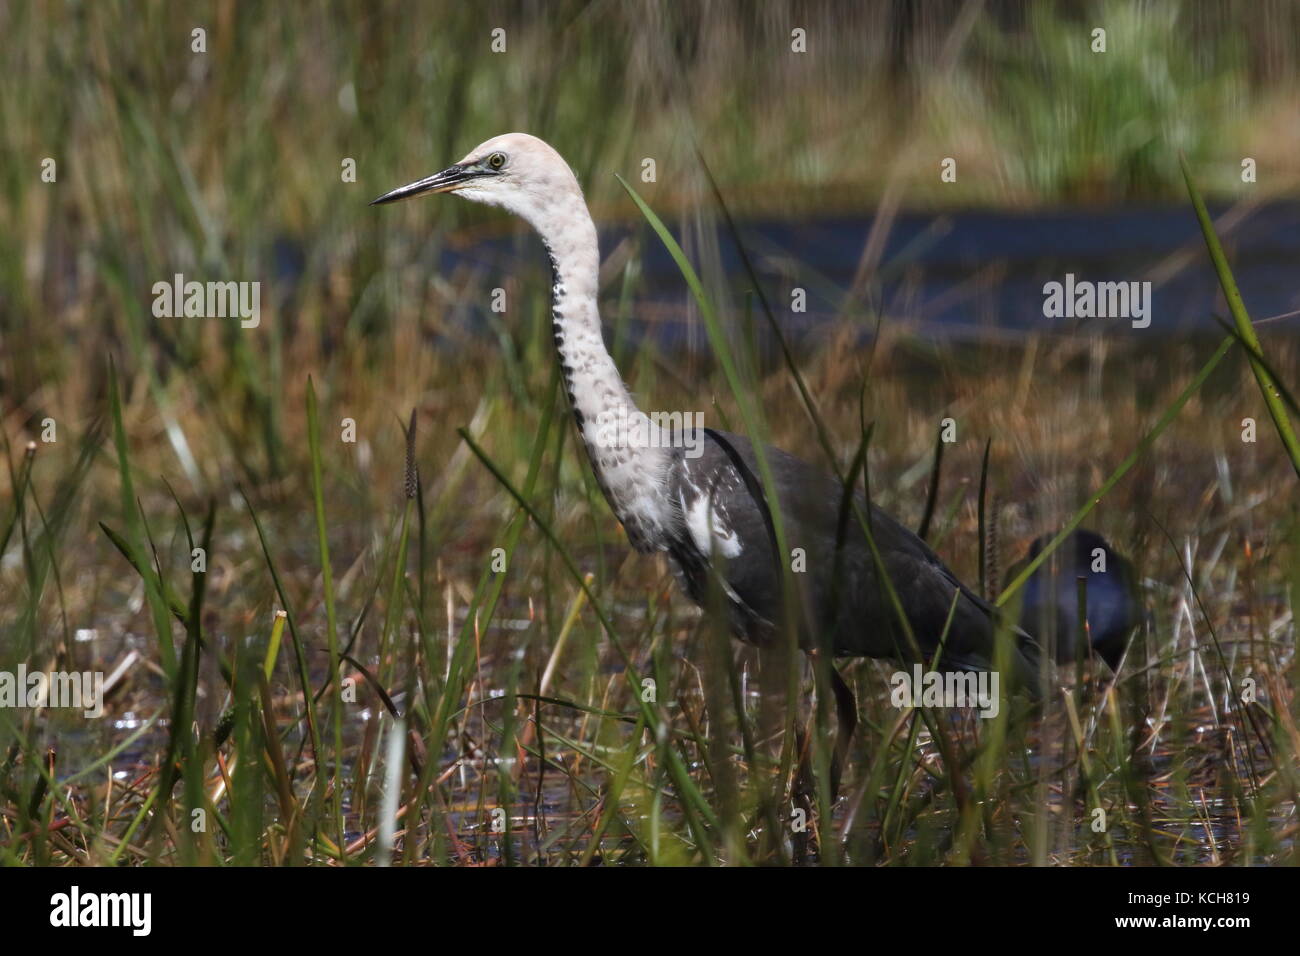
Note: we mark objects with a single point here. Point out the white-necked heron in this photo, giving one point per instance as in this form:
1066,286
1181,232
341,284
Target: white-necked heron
708,512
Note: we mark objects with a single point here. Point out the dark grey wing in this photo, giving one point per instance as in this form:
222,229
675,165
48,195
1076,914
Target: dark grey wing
845,603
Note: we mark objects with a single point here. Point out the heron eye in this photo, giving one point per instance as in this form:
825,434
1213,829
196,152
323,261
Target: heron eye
497,160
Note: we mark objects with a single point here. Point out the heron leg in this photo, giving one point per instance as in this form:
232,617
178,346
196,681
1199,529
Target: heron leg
846,711
801,796
805,787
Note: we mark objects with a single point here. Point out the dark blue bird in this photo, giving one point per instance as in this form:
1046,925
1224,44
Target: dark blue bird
1050,598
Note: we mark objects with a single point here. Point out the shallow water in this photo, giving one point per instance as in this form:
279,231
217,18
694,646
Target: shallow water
961,274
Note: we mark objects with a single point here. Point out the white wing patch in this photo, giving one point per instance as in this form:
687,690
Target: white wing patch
699,522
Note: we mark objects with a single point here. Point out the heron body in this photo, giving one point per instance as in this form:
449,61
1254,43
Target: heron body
699,501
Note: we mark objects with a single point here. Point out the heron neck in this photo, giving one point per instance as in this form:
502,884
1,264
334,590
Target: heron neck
622,443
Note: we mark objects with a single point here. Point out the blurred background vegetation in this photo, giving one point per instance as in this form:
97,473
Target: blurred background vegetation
228,163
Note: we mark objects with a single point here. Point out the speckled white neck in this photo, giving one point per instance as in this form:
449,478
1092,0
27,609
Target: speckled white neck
631,473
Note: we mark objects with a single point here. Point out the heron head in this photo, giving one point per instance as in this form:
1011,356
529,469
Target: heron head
518,172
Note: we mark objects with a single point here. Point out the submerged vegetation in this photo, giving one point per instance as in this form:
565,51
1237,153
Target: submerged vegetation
353,589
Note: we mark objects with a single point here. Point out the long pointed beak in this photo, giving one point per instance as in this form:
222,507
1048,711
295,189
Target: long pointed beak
445,181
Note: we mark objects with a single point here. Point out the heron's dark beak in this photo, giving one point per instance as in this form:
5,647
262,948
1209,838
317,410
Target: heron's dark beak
450,179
